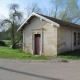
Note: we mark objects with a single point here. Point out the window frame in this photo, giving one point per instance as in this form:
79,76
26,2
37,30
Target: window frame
75,36
78,38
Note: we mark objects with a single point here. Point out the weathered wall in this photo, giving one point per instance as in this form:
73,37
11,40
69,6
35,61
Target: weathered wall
27,33
50,40
48,37
66,39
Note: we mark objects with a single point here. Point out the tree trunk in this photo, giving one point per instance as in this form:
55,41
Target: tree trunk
14,45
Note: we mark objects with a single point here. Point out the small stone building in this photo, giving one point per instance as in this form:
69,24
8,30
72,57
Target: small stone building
43,35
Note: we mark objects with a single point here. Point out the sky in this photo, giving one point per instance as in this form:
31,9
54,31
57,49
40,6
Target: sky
46,4
22,3
4,4
4,12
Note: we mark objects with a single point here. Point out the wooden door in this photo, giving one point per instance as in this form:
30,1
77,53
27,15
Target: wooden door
37,44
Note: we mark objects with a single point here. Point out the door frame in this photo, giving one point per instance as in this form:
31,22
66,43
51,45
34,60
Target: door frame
33,41
37,37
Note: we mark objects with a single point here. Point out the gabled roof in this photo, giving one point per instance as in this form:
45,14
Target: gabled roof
51,20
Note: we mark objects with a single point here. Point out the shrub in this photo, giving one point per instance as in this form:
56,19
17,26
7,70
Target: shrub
2,43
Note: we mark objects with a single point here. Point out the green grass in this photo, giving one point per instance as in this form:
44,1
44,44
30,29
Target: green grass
7,52
70,55
8,42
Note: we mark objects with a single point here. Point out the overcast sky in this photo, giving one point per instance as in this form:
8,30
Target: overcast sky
23,3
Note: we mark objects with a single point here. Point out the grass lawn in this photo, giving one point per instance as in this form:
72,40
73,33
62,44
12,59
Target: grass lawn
7,52
8,42
71,55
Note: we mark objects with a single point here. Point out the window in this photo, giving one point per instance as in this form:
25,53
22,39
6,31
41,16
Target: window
78,38
74,38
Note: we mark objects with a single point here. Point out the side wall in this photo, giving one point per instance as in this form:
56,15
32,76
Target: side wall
66,39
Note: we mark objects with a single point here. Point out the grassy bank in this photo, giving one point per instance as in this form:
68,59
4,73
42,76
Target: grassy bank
7,52
70,55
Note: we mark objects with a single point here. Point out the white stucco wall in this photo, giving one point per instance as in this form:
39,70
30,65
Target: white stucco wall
28,32
50,40
66,39
48,37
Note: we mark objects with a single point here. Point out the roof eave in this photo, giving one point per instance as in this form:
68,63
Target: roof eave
41,17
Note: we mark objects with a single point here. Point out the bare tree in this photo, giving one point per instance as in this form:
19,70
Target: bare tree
57,4
33,7
67,10
13,21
